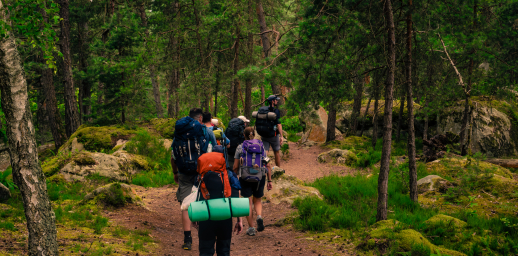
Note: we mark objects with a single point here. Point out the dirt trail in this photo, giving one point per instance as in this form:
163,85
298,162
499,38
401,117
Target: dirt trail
162,217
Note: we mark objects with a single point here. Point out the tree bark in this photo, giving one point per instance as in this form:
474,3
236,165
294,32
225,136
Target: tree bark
266,47
248,82
27,173
507,163
400,117
174,81
331,121
85,90
357,106
235,91
375,116
410,105
381,213
71,111
365,115
56,126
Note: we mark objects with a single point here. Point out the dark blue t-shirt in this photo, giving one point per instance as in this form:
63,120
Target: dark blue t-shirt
278,113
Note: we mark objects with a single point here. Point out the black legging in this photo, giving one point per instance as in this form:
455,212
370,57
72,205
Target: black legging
218,232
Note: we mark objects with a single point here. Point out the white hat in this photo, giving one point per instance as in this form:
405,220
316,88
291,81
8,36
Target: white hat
215,121
244,119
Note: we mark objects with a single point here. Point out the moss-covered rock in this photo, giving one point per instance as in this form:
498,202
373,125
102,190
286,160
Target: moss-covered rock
164,126
113,194
54,164
456,167
390,231
97,138
445,221
433,182
286,188
83,158
338,156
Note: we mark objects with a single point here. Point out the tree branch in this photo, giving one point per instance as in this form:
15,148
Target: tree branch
461,82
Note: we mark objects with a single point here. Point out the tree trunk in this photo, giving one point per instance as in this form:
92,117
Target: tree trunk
400,117
266,47
27,173
71,111
381,213
56,126
426,120
410,105
156,91
218,81
331,121
248,82
357,106
375,116
85,90
365,115
235,91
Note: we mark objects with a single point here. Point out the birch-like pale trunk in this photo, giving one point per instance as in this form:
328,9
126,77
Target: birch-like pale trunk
27,173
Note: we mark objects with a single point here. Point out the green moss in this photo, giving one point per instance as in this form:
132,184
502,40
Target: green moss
445,221
114,194
405,239
83,158
98,138
140,162
54,164
117,148
164,126
56,179
454,167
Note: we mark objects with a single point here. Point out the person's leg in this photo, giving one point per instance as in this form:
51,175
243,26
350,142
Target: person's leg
185,183
224,237
207,238
258,206
257,195
186,222
250,217
277,158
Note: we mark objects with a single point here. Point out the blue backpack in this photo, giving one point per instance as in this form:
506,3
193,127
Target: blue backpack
189,143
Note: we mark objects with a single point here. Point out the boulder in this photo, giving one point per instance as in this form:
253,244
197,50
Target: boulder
493,129
385,231
316,125
95,138
339,156
286,188
445,221
120,166
5,194
433,183
114,194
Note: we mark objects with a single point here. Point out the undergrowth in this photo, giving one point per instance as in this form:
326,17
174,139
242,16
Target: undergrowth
350,203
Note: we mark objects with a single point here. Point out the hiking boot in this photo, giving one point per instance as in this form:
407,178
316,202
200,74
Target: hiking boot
260,224
187,245
251,231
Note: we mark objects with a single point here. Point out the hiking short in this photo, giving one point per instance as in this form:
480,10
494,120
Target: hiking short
274,141
185,183
230,161
249,189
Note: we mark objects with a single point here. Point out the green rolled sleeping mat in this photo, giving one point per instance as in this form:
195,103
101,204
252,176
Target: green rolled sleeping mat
218,209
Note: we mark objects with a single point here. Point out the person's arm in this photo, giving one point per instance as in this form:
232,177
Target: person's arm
175,169
239,226
269,177
236,167
279,128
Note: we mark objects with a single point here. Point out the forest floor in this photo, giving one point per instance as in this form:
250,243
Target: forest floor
163,216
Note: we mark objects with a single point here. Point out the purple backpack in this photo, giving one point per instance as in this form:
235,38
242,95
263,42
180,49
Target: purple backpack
252,154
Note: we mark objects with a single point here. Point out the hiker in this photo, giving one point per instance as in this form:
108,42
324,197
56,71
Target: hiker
254,171
212,168
191,140
220,137
270,130
234,133
247,122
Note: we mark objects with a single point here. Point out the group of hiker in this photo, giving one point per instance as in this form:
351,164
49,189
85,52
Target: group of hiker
224,164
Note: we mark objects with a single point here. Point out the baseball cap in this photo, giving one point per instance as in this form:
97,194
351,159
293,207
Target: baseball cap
215,121
273,97
244,119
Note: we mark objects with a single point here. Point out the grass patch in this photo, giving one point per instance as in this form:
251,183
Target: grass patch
350,203
6,178
151,147
153,179
293,137
7,225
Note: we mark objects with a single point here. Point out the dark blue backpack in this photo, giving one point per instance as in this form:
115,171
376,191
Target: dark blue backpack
189,143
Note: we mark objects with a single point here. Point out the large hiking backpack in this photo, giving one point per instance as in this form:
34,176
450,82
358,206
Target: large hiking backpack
219,136
264,122
189,143
234,133
252,155
214,180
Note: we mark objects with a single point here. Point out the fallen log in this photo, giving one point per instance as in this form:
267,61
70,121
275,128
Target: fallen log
507,163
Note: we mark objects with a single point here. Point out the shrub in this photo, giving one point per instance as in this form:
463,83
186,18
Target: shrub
153,178
152,147
291,124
